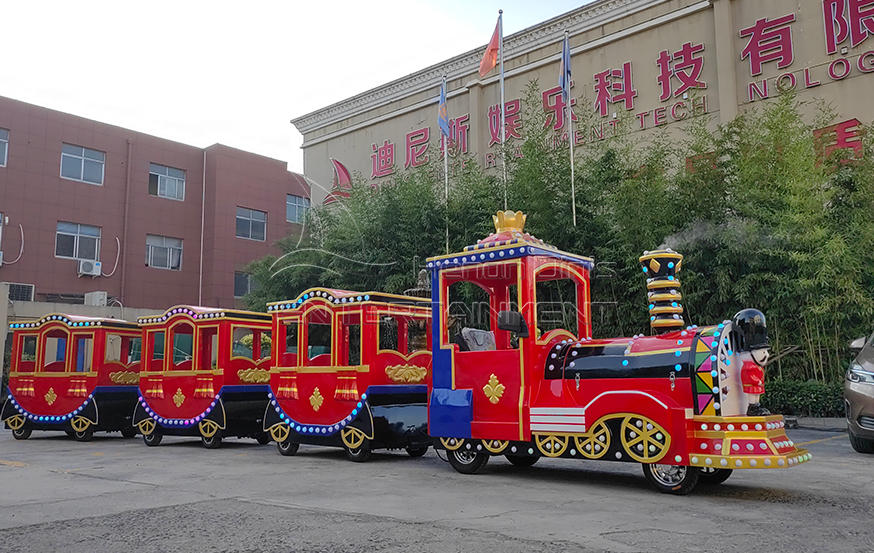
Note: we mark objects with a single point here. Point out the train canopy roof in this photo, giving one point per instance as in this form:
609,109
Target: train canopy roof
346,297
509,241
203,313
76,321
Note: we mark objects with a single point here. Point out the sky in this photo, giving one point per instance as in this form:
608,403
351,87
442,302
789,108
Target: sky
201,72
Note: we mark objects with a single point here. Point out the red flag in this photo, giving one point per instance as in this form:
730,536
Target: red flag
490,59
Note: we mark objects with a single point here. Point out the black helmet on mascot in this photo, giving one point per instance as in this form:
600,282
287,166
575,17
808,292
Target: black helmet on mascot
750,324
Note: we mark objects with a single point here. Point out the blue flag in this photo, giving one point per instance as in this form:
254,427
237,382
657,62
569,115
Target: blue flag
442,114
564,72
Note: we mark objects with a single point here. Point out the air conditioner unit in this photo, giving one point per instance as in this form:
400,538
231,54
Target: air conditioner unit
97,299
91,268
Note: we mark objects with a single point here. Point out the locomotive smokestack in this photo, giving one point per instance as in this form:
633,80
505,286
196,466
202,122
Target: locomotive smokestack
665,310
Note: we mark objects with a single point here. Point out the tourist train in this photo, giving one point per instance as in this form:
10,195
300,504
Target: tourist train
500,361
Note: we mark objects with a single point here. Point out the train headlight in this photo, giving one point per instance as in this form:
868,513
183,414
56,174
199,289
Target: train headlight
857,374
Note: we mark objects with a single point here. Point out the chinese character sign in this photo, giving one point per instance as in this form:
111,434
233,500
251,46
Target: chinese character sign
770,40
684,66
459,129
383,160
853,19
554,106
512,117
417,144
843,135
613,86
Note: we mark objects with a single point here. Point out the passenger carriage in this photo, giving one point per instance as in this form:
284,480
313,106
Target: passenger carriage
73,374
539,385
205,373
351,370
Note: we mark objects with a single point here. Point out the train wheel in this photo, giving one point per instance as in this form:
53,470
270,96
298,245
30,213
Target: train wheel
521,460
417,451
644,440
357,446
19,431
551,446
153,438
466,461
208,428
710,476
82,428
287,447
495,446
451,444
596,443
279,432
263,439
672,479
129,432
212,442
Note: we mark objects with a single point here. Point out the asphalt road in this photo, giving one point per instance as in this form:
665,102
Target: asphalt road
114,494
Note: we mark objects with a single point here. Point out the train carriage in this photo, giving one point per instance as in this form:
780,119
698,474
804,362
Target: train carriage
73,374
351,370
539,385
205,373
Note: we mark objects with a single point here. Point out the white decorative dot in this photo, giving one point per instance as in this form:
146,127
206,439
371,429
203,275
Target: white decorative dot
694,459
716,427
724,462
708,461
678,458
738,463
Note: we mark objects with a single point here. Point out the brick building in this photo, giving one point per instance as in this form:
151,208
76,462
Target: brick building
151,222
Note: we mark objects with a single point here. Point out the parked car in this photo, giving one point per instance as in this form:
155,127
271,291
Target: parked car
859,396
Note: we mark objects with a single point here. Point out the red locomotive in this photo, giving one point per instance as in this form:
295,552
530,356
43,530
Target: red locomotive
73,374
352,370
531,381
205,373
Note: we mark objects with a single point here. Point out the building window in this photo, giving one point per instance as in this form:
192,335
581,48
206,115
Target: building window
4,146
296,208
251,224
243,284
166,182
76,241
163,252
82,164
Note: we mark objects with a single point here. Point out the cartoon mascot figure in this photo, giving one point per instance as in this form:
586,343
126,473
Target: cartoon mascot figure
753,335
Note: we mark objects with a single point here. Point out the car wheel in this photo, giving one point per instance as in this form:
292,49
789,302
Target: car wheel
861,445
671,479
212,442
710,476
22,433
466,461
521,460
153,438
84,435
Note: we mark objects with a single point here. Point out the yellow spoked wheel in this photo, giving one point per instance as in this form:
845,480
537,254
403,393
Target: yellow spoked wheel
208,428
451,444
353,438
15,422
279,432
495,446
596,443
644,440
80,424
551,446
147,427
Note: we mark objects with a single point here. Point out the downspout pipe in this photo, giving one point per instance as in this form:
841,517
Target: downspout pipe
202,222
125,229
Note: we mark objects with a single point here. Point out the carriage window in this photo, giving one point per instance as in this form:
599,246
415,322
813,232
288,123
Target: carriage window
183,344
55,351
266,344
353,352
243,345
135,350
468,308
319,339
417,335
28,348
388,333
291,338
158,346
83,352
208,349
557,306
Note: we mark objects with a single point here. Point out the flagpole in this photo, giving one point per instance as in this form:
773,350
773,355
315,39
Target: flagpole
570,120
503,114
446,174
